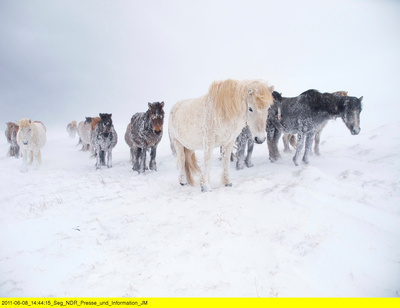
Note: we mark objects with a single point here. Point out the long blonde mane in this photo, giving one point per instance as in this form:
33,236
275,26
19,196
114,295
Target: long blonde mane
228,96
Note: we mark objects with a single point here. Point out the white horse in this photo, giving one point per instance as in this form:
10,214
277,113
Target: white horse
31,138
215,120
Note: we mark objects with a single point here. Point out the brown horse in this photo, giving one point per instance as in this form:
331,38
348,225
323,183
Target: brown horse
72,128
11,135
84,130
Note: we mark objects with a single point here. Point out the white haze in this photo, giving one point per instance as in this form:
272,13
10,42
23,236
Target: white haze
331,228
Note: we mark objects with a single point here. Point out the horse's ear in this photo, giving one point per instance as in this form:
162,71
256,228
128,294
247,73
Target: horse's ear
149,104
30,121
361,98
162,104
271,89
250,91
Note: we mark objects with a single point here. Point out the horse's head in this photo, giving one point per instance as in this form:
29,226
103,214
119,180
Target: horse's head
259,99
156,114
88,119
25,130
351,114
105,124
275,111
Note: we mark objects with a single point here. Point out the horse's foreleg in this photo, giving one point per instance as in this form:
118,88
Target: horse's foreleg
250,147
153,164
142,166
136,157
318,139
36,158
299,148
240,152
226,153
285,139
24,167
309,141
98,160
273,135
109,158
205,172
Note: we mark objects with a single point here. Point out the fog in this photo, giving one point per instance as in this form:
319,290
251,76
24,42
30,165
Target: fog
64,60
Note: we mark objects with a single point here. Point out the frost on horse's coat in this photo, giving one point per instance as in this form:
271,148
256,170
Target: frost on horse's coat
104,138
143,133
305,114
215,120
31,138
288,138
11,135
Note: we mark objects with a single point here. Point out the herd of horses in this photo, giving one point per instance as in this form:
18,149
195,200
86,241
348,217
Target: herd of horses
231,116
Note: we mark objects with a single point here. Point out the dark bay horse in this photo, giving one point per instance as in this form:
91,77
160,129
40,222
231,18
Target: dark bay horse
305,114
11,135
104,138
145,132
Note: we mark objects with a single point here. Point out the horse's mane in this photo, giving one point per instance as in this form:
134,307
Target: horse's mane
340,93
227,96
324,102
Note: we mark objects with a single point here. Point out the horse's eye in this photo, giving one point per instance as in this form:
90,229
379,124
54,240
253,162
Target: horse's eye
250,109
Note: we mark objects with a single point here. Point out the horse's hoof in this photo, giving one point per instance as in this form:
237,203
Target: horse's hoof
228,185
239,165
205,189
183,184
249,165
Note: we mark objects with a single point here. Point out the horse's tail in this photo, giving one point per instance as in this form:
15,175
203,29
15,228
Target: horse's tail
191,165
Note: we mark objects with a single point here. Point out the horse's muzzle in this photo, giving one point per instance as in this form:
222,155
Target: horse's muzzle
259,140
106,135
157,132
25,142
355,131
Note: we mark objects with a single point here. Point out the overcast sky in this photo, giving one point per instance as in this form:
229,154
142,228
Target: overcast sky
64,60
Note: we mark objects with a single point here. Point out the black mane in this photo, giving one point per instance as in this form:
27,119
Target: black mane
324,102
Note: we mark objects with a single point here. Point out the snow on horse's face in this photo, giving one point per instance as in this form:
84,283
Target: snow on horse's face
256,117
351,115
157,116
105,124
25,128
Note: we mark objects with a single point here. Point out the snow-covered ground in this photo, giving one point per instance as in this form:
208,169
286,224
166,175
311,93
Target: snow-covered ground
330,228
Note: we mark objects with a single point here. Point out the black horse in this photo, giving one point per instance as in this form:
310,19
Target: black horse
104,138
146,130
305,114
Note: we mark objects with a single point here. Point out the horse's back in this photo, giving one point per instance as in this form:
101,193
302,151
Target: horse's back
127,135
137,120
41,133
187,122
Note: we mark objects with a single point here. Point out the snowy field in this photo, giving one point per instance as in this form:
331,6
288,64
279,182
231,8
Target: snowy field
330,228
